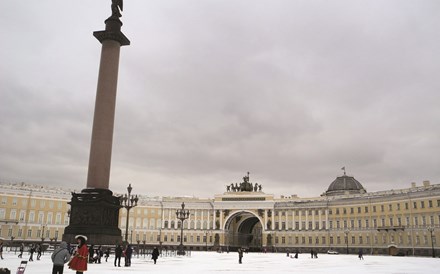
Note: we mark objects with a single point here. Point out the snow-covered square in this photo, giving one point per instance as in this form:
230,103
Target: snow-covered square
210,262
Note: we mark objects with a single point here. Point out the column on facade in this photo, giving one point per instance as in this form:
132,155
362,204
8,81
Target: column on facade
313,220
299,219
307,219
169,219
202,221
320,219
273,220
213,219
265,220
326,219
293,220
162,215
195,218
221,219
280,221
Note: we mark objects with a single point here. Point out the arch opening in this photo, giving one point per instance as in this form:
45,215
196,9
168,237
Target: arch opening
244,230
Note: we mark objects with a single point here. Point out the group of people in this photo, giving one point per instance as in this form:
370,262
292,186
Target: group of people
82,255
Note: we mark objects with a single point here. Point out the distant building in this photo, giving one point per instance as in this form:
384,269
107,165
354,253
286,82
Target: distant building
345,218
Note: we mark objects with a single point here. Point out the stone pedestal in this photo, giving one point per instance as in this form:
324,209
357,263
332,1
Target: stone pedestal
94,213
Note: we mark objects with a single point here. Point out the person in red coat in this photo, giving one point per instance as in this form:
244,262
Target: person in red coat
80,257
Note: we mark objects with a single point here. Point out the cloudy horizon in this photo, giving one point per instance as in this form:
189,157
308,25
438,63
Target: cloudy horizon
290,91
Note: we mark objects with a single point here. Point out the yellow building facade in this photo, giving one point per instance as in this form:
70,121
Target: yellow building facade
345,219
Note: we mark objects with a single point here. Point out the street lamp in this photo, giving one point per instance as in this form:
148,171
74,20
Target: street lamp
431,230
182,215
346,237
128,202
42,234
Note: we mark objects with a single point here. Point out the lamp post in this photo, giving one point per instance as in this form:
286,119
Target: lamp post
346,237
42,235
128,202
182,215
431,230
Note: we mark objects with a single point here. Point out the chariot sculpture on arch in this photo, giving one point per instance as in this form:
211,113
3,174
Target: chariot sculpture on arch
244,186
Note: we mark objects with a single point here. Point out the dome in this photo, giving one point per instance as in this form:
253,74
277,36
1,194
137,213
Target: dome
345,185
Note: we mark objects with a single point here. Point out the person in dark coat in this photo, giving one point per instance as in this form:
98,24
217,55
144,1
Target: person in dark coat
361,254
31,251
21,250
118,255
240,255
39,250
128,253
107,254
155,254
91,253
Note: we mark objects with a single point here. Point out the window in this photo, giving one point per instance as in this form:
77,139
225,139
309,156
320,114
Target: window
429,203
422,204
366,209
14,201
415,205
382,208
398,207
406,206
359,209
390,207
374,208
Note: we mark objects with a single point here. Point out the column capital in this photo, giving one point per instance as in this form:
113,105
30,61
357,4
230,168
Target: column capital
112,32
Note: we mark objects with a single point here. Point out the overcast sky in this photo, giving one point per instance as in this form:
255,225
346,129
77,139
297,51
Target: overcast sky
290,91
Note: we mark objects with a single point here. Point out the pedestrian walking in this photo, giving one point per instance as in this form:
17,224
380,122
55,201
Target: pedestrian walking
240,255
107,254
59,257
21,250
155,254
38,250
31,252
361,254
80,256
118,255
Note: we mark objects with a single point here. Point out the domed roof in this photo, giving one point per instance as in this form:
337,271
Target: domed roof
345,185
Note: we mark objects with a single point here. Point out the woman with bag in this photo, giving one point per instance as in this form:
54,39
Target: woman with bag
79,260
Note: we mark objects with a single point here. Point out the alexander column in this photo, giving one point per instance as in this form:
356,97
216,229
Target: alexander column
95,211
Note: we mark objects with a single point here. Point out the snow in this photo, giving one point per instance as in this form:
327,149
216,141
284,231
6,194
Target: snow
210,262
